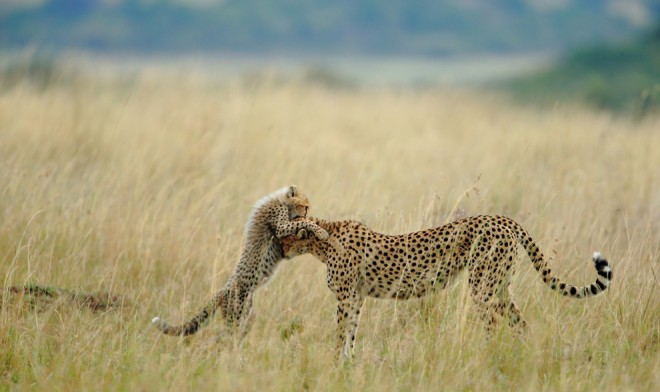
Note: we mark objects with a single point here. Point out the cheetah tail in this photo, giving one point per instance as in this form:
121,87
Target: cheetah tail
603,270
192,326
602,281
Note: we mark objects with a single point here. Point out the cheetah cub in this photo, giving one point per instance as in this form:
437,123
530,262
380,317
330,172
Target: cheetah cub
271,219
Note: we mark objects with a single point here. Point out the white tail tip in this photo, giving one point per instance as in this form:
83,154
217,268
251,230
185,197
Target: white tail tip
155,320
597,256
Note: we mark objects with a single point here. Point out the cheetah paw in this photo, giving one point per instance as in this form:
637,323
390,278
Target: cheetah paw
322,235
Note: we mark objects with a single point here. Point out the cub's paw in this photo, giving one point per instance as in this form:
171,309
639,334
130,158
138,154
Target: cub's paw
302,234
322,235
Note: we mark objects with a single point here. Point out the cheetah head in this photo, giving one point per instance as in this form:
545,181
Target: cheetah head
297,202
297,244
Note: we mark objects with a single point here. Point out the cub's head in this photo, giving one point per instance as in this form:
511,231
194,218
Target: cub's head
297,202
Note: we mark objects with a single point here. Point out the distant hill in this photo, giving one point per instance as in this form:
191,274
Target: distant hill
421,27
621,77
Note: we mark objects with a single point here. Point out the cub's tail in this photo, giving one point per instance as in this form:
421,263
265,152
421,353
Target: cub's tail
197,322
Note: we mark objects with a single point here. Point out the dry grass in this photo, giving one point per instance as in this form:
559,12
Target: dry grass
143,189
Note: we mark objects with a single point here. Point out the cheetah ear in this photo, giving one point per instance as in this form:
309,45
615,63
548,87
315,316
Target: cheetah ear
293,191
302,234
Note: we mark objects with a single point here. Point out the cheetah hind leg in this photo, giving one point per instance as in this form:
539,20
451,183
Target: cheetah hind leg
487,314
495,310
234,335
491,292
516,321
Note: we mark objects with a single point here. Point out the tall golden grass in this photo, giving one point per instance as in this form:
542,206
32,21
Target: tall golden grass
143,188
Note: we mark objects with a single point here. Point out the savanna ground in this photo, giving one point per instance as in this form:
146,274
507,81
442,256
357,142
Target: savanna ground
142,187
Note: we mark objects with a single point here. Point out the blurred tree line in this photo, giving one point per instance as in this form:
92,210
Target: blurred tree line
422,27
620,77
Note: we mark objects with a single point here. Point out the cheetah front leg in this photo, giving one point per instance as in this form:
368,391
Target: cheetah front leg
285,227
350,339
300,224
348,317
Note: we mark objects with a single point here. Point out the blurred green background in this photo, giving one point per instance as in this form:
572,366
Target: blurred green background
605,53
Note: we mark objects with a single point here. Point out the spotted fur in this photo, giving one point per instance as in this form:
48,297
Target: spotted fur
362,263
271,218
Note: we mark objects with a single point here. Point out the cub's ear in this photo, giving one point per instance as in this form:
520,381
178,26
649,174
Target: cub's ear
302,234
293,191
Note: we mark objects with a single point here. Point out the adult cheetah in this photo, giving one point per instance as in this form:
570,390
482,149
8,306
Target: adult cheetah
362,263
272,217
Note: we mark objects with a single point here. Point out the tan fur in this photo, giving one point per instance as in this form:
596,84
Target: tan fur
271,219
362,263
